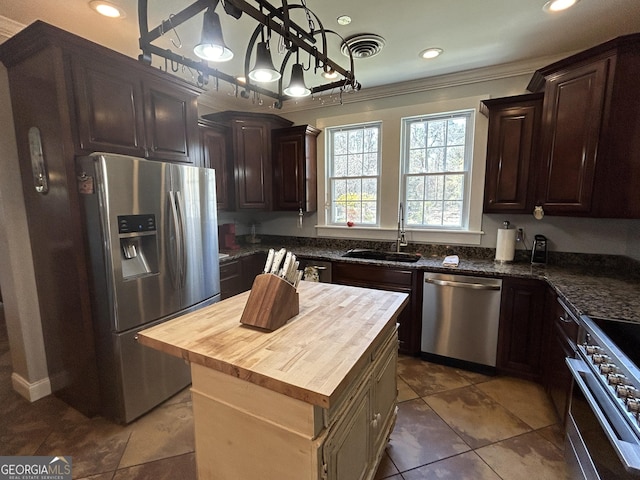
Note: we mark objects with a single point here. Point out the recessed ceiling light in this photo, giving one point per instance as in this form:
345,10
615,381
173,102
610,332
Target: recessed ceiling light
558,5
344,20
431,53
107,9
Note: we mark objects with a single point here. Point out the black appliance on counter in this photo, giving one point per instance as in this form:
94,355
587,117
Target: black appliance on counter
603,425
539,250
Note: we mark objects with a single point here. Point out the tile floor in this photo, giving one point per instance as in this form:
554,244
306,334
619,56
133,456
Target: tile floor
452,424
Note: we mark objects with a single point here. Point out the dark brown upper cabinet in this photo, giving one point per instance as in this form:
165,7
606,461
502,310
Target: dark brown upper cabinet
121,112
110,109
252,156
215,141
590,155
171,117
512,151
295,168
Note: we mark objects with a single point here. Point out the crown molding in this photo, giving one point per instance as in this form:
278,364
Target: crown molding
219,101
8,28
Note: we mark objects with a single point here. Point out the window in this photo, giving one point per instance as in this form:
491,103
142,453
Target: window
353,156
436,166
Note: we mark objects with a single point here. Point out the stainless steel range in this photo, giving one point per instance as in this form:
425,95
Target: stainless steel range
603,426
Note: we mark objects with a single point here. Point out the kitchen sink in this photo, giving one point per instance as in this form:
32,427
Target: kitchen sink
380,255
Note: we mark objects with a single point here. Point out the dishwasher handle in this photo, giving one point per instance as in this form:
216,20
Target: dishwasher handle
449,283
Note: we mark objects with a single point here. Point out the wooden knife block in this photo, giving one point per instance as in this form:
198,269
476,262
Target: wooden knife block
272,302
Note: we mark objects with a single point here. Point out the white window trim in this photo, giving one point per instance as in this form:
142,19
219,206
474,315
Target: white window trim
390,190
466,207
378,177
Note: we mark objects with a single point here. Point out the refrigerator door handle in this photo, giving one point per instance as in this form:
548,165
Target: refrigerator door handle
175,246
182,247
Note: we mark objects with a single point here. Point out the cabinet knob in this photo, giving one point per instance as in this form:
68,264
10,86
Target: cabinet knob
538,212
376,420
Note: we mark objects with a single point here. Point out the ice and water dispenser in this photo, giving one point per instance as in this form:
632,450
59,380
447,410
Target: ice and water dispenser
138,245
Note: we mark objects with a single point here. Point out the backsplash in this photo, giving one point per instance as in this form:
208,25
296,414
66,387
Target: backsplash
565,259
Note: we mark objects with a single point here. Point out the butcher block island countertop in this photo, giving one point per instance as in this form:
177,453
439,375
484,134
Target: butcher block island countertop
311,358
314,399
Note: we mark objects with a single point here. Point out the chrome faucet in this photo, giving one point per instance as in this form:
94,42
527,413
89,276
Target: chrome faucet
401,240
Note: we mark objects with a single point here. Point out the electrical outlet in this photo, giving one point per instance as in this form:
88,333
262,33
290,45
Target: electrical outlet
520,234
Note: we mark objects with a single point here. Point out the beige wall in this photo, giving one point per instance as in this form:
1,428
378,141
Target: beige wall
582,235
17,279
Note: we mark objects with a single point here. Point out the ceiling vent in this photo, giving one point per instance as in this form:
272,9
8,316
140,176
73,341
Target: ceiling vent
363,45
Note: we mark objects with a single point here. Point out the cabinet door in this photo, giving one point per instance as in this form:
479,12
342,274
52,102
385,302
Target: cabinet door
346,451
252,145
521,327
295,164
109,108
511,154
405,281
216,154
385,393
171,116
571,120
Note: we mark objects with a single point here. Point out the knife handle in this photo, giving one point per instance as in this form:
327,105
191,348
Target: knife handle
267,265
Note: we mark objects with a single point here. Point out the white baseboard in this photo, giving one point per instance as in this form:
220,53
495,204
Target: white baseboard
31,391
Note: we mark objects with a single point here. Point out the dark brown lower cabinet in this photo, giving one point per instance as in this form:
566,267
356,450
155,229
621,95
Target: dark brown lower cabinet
521,328
236,276
392,279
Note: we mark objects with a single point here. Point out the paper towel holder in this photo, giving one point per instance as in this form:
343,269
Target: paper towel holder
505,243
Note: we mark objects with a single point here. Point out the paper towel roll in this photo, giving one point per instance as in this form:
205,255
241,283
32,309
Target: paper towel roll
506,245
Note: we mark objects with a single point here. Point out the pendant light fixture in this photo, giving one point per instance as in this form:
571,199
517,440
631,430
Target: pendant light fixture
296,87
212,46
292,38
264,71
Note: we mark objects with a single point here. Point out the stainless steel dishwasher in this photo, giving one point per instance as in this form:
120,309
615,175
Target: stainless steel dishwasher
460,316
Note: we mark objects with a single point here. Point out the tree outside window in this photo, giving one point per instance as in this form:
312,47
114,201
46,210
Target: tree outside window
437,158
354,169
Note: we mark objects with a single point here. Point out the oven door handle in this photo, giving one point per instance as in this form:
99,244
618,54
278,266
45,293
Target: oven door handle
629,453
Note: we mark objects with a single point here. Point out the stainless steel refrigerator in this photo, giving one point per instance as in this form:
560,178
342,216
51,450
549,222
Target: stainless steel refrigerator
151,232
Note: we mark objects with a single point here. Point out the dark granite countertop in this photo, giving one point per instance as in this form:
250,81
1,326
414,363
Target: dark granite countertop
602,291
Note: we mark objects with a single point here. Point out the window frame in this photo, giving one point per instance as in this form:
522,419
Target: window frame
329,168
405,144
390,116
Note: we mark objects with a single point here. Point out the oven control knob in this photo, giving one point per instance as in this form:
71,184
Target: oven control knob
627,391
599,358
616,379
633,404
608,368
624,391
591,349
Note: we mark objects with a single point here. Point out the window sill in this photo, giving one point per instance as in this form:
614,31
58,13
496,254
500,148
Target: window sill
454,237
